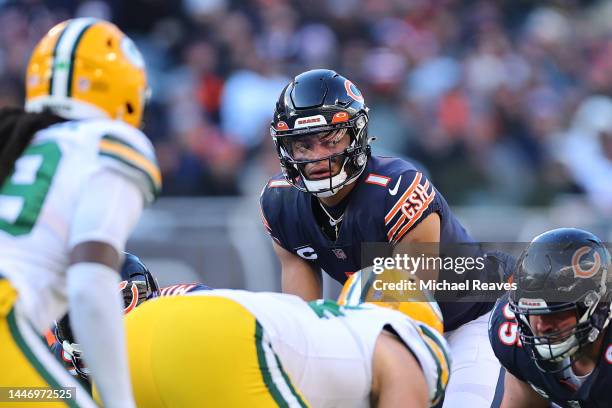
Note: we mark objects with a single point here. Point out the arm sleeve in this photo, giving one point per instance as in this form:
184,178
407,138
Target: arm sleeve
107,211
414,200
96,316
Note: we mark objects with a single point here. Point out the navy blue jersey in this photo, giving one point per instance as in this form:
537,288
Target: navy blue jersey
390,199
593,393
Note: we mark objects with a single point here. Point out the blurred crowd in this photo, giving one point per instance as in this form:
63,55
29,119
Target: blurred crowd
501,101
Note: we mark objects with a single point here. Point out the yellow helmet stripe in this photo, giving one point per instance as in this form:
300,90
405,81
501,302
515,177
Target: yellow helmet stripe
63,56
59,39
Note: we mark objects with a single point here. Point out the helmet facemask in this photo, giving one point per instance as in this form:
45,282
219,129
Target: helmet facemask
351,160
555,351
70,348
134,293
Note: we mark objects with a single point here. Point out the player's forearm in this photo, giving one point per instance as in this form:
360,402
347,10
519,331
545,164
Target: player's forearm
303,283
97,321
518,394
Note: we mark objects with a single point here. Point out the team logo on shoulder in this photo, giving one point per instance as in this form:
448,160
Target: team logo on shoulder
306,252
578,260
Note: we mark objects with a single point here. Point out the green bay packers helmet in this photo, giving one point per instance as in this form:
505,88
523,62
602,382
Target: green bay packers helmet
364,286
87,68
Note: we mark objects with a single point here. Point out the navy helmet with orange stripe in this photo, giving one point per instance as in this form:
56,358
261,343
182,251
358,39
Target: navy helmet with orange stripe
326,105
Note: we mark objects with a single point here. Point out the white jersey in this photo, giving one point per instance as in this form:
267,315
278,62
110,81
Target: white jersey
39,200
327,349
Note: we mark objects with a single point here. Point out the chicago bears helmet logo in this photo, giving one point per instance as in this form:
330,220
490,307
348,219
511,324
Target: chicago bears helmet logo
352,91
134,301
579,271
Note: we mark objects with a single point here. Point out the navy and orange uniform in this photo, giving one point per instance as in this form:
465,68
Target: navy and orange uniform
182,289
390,199
559,388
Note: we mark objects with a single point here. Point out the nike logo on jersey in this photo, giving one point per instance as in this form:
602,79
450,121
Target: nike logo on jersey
393,191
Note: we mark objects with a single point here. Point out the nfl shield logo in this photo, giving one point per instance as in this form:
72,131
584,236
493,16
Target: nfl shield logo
339,253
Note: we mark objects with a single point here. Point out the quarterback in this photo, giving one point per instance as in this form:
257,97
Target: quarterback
333,195
75,175
552,333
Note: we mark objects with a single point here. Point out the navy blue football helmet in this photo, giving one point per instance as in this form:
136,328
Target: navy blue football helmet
320,102
137,286
565,269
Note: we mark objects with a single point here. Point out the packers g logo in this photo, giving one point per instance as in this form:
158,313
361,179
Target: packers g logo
579,271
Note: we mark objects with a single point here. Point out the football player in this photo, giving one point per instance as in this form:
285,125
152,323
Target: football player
75,175
332,196
137,286
233,348
552,333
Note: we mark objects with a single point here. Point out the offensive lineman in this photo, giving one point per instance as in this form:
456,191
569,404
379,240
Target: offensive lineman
75,174
552,333
137,286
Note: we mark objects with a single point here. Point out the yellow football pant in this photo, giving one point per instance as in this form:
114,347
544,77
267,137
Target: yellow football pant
204,351
25,360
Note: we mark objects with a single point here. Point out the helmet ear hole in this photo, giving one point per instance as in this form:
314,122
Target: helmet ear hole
129,108
109,43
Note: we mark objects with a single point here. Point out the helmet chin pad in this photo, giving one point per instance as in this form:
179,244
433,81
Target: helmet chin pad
329,186
557,352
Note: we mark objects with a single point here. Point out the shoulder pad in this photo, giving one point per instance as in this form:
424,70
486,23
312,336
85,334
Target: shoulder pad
127,150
